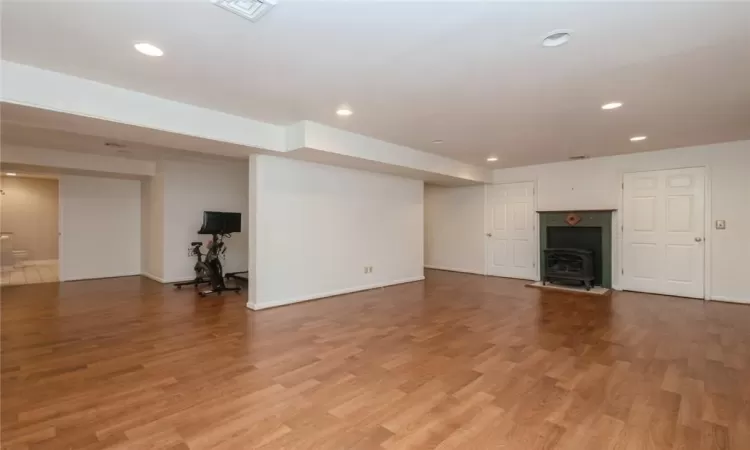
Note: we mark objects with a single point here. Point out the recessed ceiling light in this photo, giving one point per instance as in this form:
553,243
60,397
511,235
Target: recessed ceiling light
638,138
556,38
492,159
612,105
437,141
148,49
10,174
344,111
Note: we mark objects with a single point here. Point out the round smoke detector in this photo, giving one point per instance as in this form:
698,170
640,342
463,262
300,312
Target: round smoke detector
556,38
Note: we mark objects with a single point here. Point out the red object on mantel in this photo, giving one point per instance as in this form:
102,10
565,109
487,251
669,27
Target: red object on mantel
572,219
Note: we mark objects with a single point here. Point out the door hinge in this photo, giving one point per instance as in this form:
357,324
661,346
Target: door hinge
622,271
622,185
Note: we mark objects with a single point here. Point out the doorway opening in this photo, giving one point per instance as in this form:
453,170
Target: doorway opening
29,219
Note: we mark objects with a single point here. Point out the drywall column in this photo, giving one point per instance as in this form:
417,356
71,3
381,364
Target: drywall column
252,227
319,227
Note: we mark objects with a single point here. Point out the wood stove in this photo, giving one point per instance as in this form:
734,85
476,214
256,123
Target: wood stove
569,265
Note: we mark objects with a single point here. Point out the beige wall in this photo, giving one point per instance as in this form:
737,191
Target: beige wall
29,208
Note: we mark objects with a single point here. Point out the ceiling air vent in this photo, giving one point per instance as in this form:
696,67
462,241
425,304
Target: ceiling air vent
252,10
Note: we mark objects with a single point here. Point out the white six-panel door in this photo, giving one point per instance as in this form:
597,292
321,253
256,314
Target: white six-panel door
511,231
663,232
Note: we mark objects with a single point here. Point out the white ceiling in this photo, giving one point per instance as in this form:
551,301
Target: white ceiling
469,73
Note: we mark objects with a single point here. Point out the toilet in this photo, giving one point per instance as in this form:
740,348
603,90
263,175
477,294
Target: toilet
20,256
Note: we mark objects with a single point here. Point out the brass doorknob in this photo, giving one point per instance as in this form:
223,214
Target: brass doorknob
489,234
698,239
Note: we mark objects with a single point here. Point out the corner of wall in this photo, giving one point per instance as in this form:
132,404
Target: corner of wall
252,188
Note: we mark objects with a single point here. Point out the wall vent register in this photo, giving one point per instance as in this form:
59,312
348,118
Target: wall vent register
252,10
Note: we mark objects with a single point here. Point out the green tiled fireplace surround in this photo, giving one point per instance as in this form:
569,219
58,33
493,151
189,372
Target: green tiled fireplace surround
601,219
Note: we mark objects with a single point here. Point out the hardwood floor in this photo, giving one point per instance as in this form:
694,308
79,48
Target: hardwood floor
457,361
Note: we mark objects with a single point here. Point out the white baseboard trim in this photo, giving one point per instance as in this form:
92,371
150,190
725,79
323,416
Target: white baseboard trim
135,274
257,307
721,298
513,278
163,281
454,269
153,277
179,280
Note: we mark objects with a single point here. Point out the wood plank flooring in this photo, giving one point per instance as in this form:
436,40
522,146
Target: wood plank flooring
457,361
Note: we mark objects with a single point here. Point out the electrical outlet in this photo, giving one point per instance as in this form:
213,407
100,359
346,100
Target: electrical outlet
721,224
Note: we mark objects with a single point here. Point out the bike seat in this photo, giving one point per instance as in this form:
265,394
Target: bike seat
196,244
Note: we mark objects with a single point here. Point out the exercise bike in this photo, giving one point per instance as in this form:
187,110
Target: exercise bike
200,268
208,269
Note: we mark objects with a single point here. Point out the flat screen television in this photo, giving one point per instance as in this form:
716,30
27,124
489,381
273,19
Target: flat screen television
215,222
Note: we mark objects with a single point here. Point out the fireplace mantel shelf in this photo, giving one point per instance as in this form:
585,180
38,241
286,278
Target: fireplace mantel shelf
573,210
